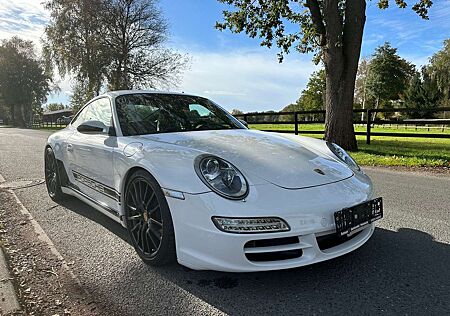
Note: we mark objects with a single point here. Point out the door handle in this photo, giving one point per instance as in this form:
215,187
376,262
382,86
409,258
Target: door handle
69,147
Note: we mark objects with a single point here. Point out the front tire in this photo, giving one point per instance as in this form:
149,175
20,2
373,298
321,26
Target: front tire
148,220
52,179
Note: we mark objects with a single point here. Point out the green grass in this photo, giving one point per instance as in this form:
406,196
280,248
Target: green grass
409,152
391,151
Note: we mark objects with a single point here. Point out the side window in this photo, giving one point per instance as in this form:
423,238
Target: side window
99,110
199,110
80,118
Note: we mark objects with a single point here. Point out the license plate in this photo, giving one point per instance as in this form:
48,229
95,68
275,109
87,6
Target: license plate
352,219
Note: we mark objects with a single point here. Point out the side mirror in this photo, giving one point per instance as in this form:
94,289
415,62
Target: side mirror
243,122
92,127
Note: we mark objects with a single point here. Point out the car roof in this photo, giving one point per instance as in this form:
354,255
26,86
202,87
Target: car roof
124,92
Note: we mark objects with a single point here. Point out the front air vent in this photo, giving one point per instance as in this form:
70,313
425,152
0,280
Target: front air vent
272,242
274,249
332,240
274,256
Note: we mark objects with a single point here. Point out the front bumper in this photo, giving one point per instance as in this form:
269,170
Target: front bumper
309,213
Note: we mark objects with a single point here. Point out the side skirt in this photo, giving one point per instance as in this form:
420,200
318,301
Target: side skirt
101,207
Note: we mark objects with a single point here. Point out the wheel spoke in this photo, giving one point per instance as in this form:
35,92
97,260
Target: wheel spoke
136,226
149,200
151,211
145,193
155,232
134,217
155,243
144,240
138,238
132,208
154,221
134,200
139,191
136,195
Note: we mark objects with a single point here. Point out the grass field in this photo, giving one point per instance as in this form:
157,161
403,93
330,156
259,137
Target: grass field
390,151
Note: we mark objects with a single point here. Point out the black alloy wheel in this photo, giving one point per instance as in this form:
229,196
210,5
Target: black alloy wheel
148,220
52,177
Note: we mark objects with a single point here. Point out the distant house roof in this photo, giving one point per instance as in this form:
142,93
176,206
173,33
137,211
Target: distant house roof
63,111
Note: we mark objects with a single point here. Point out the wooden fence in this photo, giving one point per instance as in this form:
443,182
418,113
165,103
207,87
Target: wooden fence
364,117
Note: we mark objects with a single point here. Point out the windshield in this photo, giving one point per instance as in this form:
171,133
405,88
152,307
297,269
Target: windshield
150,113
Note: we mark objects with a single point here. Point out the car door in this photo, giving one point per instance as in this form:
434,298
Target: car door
90,154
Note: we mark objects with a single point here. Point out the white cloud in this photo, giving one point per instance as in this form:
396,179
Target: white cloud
23,18
250,81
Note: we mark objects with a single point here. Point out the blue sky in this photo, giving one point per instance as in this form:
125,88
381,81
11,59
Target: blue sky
233,69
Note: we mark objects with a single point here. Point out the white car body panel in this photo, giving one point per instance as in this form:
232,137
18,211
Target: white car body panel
279,170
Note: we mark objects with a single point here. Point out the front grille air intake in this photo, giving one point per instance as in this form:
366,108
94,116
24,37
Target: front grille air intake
274,249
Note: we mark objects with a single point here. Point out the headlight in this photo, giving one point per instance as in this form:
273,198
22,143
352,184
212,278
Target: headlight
221,177
343,155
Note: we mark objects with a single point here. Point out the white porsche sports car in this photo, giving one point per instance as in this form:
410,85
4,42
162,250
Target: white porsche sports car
191,183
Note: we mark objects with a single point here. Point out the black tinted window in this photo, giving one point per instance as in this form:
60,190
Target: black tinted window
150,113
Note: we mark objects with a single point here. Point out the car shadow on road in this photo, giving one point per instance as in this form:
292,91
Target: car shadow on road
89,212
396,272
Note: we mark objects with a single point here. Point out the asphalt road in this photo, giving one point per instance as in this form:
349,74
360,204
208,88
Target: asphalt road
403,269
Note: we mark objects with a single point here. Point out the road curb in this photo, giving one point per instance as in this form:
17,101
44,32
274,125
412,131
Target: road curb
9,301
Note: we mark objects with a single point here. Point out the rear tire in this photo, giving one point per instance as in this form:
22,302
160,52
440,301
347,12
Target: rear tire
148,220
52,178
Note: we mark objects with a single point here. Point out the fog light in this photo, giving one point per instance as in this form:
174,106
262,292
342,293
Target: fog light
250,225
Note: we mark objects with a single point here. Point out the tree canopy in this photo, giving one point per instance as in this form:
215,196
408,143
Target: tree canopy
55,106
313,97
362,74
137,32
236,112
422,95
74,41
439,70
24,83
388,75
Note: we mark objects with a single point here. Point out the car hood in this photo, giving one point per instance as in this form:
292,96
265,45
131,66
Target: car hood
284,161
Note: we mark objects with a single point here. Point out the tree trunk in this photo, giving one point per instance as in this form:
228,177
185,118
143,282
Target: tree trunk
339,115
18,116
13,115
341,56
